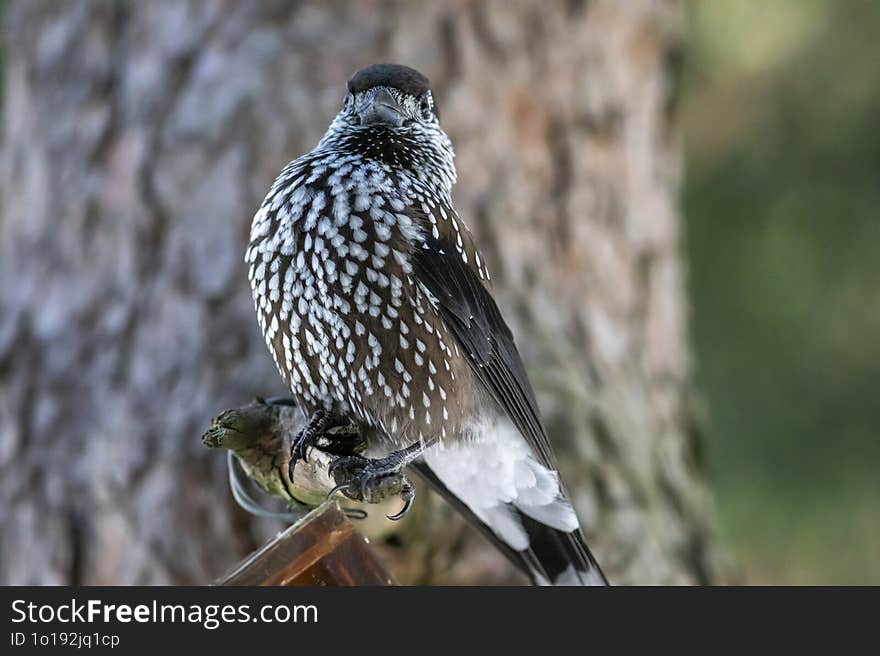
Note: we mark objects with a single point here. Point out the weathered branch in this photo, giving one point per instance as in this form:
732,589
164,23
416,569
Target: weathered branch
259,435
322,547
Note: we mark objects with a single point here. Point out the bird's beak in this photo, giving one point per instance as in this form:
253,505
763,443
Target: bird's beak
382,110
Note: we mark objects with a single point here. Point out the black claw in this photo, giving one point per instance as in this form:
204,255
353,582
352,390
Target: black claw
334,466
407,504
308,437
342,487
408,494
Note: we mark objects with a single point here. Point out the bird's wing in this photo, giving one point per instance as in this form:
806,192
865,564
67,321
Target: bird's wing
447,264
541,538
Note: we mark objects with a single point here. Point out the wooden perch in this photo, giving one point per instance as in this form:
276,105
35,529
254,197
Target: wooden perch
259,435
322,547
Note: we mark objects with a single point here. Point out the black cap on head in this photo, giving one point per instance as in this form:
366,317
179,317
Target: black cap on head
404,78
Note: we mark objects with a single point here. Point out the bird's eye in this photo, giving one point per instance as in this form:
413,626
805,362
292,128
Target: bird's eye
426,107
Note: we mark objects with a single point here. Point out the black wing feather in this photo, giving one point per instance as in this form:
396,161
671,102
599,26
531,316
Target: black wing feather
473,317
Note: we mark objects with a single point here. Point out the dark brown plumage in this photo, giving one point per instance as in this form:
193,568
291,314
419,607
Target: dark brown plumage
408,80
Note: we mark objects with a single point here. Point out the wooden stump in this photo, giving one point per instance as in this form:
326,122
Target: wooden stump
323,548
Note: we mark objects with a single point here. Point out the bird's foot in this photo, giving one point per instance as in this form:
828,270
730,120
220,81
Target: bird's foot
374,480
316,433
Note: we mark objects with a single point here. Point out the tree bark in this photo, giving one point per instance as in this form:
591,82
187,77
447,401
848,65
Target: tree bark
138,140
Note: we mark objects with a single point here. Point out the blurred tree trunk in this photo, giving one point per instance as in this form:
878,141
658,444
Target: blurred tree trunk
138,140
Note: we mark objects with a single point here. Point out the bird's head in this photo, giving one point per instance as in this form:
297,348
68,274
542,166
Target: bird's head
389,115
389,95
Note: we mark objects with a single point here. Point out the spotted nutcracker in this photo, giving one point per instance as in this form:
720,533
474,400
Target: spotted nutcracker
377,307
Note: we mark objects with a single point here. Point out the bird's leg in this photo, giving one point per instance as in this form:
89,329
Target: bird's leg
374,479
316,433
331,433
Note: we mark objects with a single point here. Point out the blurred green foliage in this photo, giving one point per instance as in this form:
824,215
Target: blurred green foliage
782,127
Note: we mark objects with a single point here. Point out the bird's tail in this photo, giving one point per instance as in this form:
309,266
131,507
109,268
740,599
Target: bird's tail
557,557
552,557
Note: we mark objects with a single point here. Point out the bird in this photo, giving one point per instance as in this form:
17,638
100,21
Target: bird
377,307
